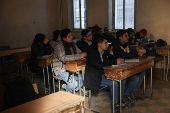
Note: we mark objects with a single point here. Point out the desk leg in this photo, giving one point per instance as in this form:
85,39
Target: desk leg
48,80
167,68
120,96
44,81
73,84
21,69
164,67
113,101
144,85
79,83
151,82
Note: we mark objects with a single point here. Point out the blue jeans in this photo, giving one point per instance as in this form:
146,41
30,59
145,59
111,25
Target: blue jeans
135,82
69,81
109,83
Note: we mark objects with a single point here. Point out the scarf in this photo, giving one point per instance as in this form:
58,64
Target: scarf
68,47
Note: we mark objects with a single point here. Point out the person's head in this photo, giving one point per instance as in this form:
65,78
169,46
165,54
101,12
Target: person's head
40,39
86,34
107,30
143,33
66,35
102,43
90,29
56,35
122,36
130,32
99,31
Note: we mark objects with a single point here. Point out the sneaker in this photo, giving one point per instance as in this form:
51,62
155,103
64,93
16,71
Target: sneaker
135,94
124,105
64,86
116,110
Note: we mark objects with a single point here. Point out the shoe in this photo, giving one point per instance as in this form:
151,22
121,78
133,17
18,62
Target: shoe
136,95
116,110
64,86
124,105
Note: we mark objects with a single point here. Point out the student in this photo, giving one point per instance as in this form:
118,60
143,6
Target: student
132,40
97,58
98,33
110,37
66,50
39,48
122,50
85,43
140,36
56,38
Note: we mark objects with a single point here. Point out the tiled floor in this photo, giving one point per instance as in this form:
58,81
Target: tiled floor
101,102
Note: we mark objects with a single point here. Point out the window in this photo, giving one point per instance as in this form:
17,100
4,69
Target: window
124,11
79,11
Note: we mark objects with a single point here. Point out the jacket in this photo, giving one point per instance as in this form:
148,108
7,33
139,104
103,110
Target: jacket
60,57
119,50
52,43
83,46
94,68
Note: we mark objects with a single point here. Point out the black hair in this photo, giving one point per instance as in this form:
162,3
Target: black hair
120,33
130,30
84,33
56,34
105,28
39,38
99,39
64,33
98,29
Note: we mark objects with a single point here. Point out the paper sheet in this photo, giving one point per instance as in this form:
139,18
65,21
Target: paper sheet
132,60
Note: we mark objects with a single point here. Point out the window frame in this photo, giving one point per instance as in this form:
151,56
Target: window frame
113,15
79,15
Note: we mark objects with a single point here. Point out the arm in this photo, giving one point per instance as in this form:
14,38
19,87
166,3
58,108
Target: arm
59,52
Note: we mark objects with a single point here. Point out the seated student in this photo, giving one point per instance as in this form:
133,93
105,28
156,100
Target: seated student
39,48
98,33
56,38
132,39
110,37
140,36
97,58
123,50
66,50
85,43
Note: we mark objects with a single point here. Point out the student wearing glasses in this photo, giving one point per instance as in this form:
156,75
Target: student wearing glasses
86,41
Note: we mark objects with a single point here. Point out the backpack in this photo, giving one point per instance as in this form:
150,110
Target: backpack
150,50
161,42
18,92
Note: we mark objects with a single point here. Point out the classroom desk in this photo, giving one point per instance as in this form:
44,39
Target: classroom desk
73,67
164,51
12,51
143,45
118,73
21,57
60,102
45,62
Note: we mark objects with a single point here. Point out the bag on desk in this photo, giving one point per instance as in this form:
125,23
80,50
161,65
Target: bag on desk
150,50
18,92
161,42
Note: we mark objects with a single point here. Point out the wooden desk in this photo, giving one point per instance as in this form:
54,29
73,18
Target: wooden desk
21,57
118,73
143,45
164,51
73,67
12,51
60,102
45,62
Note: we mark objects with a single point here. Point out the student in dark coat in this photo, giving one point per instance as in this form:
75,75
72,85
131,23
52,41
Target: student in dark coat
39,48
97,58
85,43
123,50
110,37
132,39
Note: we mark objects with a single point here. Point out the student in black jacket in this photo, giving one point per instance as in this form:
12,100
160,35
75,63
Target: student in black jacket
97,58
123,50
85,43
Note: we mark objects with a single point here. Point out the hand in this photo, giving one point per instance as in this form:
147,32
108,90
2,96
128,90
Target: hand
120,61
142,42
142,51
52,53
136,43
46,41
133,41
140,54
83,55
